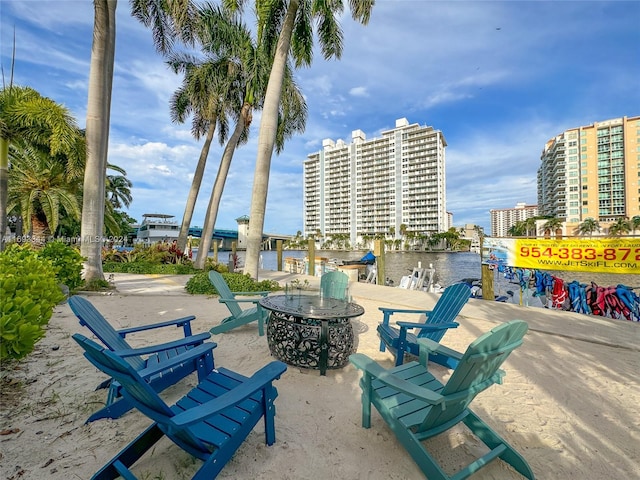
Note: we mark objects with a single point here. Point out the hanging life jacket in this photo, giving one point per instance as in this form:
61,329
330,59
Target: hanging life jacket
559,294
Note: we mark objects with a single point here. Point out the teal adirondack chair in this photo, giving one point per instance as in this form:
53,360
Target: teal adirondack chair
210,422
400,340
238,316
198,354
416,406
334,285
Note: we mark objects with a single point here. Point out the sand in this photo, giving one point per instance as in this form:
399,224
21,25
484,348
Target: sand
569,402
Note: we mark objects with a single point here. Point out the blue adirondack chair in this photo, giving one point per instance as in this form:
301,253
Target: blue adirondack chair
416,406
334,285
437,322
238,316
210,422
198,354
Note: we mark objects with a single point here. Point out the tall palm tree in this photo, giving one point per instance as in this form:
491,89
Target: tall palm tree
39,189
292,23
168,21
199,96
622,226
247,70
27,116
97,133
587,227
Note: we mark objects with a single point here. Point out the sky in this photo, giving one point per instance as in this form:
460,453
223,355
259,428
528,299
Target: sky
498,78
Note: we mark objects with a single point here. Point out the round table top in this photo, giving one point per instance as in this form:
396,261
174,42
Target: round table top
311,306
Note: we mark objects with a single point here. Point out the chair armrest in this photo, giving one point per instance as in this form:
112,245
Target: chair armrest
239,300
428,346
258,381
391,311
184,322
249,294
193,340
373,369
426,326
186,356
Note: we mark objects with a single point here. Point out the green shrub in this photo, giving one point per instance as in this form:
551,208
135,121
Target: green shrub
67,261
148,267
29,290
200,284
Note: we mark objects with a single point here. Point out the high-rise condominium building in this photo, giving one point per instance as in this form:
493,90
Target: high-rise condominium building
392,184
592,172
504,218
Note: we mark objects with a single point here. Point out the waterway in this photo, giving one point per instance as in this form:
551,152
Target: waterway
449,267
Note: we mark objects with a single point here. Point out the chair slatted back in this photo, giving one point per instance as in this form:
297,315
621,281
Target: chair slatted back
446,310
139,392
334,285
91,318
225,292
478,369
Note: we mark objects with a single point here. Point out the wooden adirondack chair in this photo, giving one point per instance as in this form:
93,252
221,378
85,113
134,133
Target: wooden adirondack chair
210,422
416,406
437,322
198,354
238,316
334,285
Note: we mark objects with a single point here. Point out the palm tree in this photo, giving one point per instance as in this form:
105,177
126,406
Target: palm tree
622,226
635,224
552,225
168,20
530,227
118,188
518,229
587,227
27,116
248,68
97,125
40,191
197,96
292,23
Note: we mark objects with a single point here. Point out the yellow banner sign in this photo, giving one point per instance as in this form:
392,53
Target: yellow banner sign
603,255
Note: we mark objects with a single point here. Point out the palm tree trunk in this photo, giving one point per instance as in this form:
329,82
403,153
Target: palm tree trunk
266,141
4,188
195,188
218,187
39,231
97,134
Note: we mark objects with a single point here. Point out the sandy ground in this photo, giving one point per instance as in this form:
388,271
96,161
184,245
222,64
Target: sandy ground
569,402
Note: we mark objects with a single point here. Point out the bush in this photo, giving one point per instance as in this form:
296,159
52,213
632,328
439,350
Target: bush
158,253
148,267
67,261
29,291
200,284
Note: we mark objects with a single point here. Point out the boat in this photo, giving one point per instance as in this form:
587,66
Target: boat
157,227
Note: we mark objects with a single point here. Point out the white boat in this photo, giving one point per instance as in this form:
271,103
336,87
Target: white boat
158,227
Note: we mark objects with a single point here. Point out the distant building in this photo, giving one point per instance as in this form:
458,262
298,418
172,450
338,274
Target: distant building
371,187
504,218
472,233
592,172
